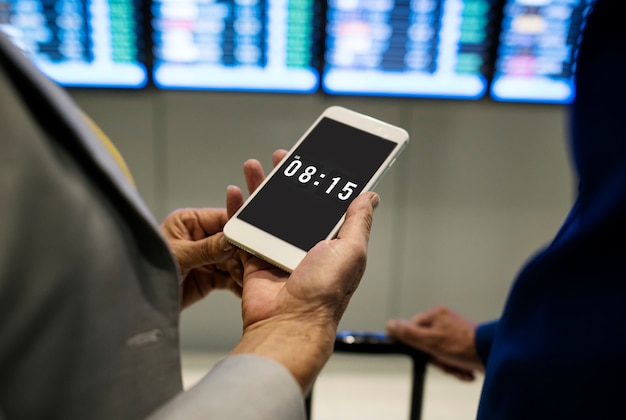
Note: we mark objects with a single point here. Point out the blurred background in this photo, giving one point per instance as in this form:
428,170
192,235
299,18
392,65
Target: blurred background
190,89
481,187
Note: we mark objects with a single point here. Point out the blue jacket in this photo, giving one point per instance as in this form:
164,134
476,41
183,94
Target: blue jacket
559,349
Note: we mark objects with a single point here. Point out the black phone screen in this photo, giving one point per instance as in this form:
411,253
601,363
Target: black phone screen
313,187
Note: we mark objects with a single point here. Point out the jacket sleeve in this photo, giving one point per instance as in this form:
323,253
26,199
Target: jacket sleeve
485,334
242,387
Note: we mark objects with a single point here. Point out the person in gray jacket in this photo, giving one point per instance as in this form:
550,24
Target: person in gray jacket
91,287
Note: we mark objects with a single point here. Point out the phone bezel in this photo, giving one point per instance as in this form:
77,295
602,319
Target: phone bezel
279,252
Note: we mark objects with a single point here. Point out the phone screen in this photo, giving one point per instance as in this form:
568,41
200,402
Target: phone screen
313,187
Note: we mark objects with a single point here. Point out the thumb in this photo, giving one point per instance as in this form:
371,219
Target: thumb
211,250
359,217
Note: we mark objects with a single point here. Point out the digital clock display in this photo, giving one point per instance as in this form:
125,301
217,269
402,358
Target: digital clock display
334,185
311,190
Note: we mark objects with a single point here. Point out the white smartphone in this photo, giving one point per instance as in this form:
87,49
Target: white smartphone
305,197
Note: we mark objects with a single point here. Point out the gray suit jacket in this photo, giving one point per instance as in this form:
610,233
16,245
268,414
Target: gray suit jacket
88,288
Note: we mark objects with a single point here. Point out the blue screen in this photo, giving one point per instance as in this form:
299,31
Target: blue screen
249,45
430,48
537,50
86,43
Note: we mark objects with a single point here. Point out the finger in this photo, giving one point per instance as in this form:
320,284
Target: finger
459,373
224,281
200,223
234,268
427,318
359,216
254,174
408,333
234,200
211,250
278,155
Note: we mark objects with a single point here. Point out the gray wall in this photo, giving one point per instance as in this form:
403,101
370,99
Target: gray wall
481,187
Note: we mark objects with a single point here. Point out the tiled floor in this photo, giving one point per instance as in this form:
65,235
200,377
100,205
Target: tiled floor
371,388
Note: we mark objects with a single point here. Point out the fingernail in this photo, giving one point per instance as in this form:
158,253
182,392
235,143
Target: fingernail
226,246
375,200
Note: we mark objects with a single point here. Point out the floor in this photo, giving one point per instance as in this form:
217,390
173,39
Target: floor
371,388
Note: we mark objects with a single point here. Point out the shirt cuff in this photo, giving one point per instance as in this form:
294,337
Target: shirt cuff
484,338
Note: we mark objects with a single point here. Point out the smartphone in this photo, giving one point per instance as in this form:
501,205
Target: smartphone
305,197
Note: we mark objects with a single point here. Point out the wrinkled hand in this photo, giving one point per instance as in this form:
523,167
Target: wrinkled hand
321,286
446,336
293,318
205,259
331,270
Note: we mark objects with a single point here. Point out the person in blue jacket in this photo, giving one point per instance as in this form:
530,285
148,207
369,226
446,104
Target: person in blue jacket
558,350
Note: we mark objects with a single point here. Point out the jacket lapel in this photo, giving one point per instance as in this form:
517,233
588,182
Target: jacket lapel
34,86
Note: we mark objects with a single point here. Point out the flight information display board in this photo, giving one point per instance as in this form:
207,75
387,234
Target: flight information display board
429,48
249,45
86,43
537,50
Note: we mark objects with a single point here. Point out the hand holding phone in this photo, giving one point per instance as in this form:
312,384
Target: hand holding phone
304,199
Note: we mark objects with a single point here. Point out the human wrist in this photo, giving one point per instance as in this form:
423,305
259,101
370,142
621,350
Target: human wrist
303,347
